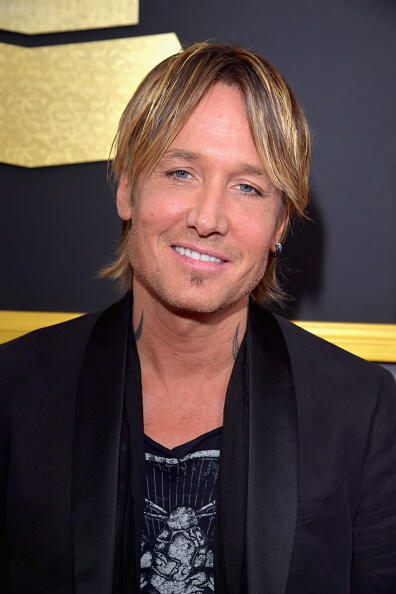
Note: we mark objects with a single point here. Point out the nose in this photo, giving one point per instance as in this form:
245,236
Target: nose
208,214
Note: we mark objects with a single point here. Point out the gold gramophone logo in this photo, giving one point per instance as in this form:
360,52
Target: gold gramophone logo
61,104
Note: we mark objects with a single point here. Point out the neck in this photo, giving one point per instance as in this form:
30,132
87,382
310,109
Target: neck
173,342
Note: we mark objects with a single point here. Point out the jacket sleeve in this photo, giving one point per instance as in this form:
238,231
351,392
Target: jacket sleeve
374,529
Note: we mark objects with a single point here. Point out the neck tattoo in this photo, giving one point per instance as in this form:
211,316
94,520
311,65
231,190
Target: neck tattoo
138,331
235,345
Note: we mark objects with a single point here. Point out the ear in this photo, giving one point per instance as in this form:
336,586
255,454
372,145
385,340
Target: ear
280,225
124,202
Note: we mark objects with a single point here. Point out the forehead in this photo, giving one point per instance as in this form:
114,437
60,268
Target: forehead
219,128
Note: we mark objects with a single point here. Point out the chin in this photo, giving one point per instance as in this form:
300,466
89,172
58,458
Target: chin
197,299
195,305
195,293
190,302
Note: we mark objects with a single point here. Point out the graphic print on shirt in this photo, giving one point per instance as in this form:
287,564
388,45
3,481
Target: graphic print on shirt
179,521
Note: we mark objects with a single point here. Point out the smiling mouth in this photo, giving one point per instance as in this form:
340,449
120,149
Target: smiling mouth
194,255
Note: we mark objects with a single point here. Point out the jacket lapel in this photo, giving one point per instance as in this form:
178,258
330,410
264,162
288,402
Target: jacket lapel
96,450
272,470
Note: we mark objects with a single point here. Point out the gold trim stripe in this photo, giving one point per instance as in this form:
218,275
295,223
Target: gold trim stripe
375,342
48,16
17,323
61,104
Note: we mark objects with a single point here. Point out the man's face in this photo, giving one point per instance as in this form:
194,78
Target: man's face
204,220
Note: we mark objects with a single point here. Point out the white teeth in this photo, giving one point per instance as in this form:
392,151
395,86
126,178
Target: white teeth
196,255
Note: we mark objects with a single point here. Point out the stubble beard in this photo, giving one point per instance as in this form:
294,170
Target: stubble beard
156,285
196,280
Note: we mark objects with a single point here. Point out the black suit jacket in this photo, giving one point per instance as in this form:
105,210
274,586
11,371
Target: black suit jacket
321,496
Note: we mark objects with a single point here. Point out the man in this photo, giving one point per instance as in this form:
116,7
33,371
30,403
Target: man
215,447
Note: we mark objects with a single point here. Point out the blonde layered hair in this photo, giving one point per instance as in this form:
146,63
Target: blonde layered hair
167,97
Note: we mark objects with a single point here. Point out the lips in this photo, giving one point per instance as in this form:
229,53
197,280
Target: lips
197,255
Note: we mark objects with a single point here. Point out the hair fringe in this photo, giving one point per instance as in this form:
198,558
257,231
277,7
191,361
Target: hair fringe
166,98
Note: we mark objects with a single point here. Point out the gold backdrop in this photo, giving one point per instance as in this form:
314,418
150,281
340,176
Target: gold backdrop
47,16
61,104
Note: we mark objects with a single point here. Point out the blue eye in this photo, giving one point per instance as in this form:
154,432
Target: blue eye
247,189
181,174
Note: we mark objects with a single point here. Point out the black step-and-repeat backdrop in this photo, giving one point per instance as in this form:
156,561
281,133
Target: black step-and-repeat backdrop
59,225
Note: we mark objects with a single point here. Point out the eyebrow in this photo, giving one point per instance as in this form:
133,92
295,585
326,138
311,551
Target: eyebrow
193,156
250,169
176,153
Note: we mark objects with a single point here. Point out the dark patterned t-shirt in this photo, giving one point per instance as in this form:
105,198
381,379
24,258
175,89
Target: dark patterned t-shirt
179,516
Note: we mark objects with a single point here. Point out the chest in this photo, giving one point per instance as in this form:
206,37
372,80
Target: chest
175,416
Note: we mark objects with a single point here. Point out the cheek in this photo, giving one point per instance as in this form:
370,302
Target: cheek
159,210
256,237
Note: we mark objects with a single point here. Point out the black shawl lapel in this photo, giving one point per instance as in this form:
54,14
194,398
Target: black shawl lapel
96,450
272,470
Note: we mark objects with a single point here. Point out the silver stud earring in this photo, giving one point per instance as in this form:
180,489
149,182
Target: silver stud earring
278,249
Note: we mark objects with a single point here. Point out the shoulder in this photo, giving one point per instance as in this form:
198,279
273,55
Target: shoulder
320,363
49,346
307,345
320,367
56,350
50,335
42,366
